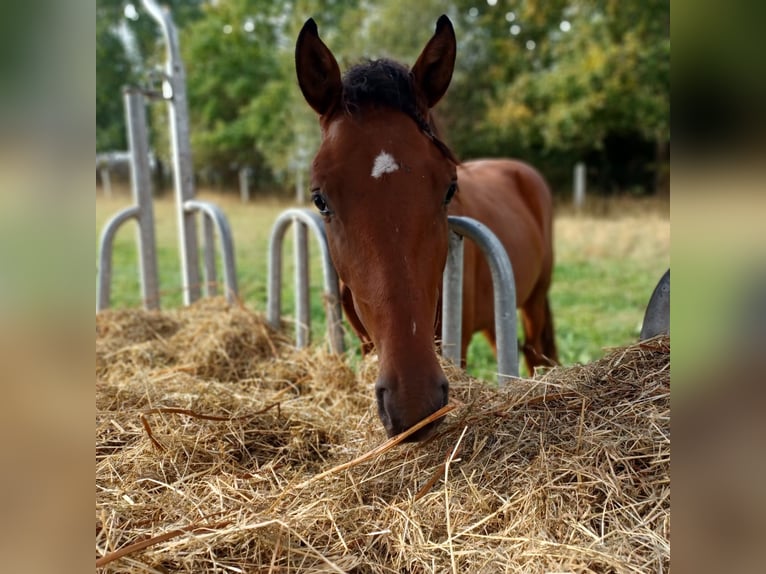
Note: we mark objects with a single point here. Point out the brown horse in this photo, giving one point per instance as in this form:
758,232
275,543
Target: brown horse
385,183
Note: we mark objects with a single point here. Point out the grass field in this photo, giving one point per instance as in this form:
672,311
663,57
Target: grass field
608,260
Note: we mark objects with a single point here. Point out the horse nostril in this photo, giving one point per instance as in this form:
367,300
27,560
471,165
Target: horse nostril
380,391
445,393
380,395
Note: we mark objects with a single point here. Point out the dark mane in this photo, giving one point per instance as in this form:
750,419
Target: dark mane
387,83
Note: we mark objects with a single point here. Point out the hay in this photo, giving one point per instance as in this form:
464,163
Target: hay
212,435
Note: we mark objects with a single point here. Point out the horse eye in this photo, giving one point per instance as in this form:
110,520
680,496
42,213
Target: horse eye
320,203
450,192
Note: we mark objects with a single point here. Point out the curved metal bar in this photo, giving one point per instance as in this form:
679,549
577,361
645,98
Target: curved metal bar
504,288
208,256
307,218
104,285
657,314
162,16
213,213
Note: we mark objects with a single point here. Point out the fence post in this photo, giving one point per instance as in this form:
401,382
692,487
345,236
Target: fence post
302,308
300,195
244,184
141,185
452,300
174,93
579,186
208,250
106,180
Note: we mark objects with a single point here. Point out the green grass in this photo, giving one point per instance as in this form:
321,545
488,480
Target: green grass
606,268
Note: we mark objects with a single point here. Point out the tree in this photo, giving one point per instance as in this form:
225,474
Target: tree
116,67
597,71
113,70
548,81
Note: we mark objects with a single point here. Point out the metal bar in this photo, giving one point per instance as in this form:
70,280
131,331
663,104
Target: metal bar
274,281
331,286
452,300
504,288
302,309
174,92
244,184
106,242
657,314
106,181
214,214
578,196
141,185
208,250
300,193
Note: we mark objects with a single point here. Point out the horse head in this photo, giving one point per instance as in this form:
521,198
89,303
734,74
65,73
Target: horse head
382,179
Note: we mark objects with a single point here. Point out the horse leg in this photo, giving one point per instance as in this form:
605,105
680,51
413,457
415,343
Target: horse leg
549,336
539,345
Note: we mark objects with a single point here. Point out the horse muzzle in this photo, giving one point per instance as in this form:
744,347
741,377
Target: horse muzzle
401,406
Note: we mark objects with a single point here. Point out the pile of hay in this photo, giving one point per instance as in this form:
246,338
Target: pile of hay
213,437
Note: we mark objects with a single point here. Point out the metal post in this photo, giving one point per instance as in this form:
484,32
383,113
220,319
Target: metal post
300,195
106,180
208,249
141,185
244,184
302,310
579,185
174,92
452,300
504,290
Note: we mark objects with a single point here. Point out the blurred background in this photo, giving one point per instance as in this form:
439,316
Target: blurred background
554,82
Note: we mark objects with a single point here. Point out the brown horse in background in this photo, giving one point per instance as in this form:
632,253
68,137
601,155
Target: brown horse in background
385,183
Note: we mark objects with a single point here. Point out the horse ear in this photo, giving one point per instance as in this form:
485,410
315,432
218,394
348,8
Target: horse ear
433,70
317,69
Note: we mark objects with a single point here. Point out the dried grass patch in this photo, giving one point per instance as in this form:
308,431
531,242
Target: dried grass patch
212,435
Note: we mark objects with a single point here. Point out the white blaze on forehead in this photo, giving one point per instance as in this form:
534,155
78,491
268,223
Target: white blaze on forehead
384,163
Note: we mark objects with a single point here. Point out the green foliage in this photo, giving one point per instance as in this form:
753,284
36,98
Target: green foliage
608,74
116,67
551,81
112,72
559,79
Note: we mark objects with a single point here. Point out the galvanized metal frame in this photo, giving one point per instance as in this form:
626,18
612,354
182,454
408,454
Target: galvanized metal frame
303,220
174,93
187,207
504,291
503,283
142,211
215,223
